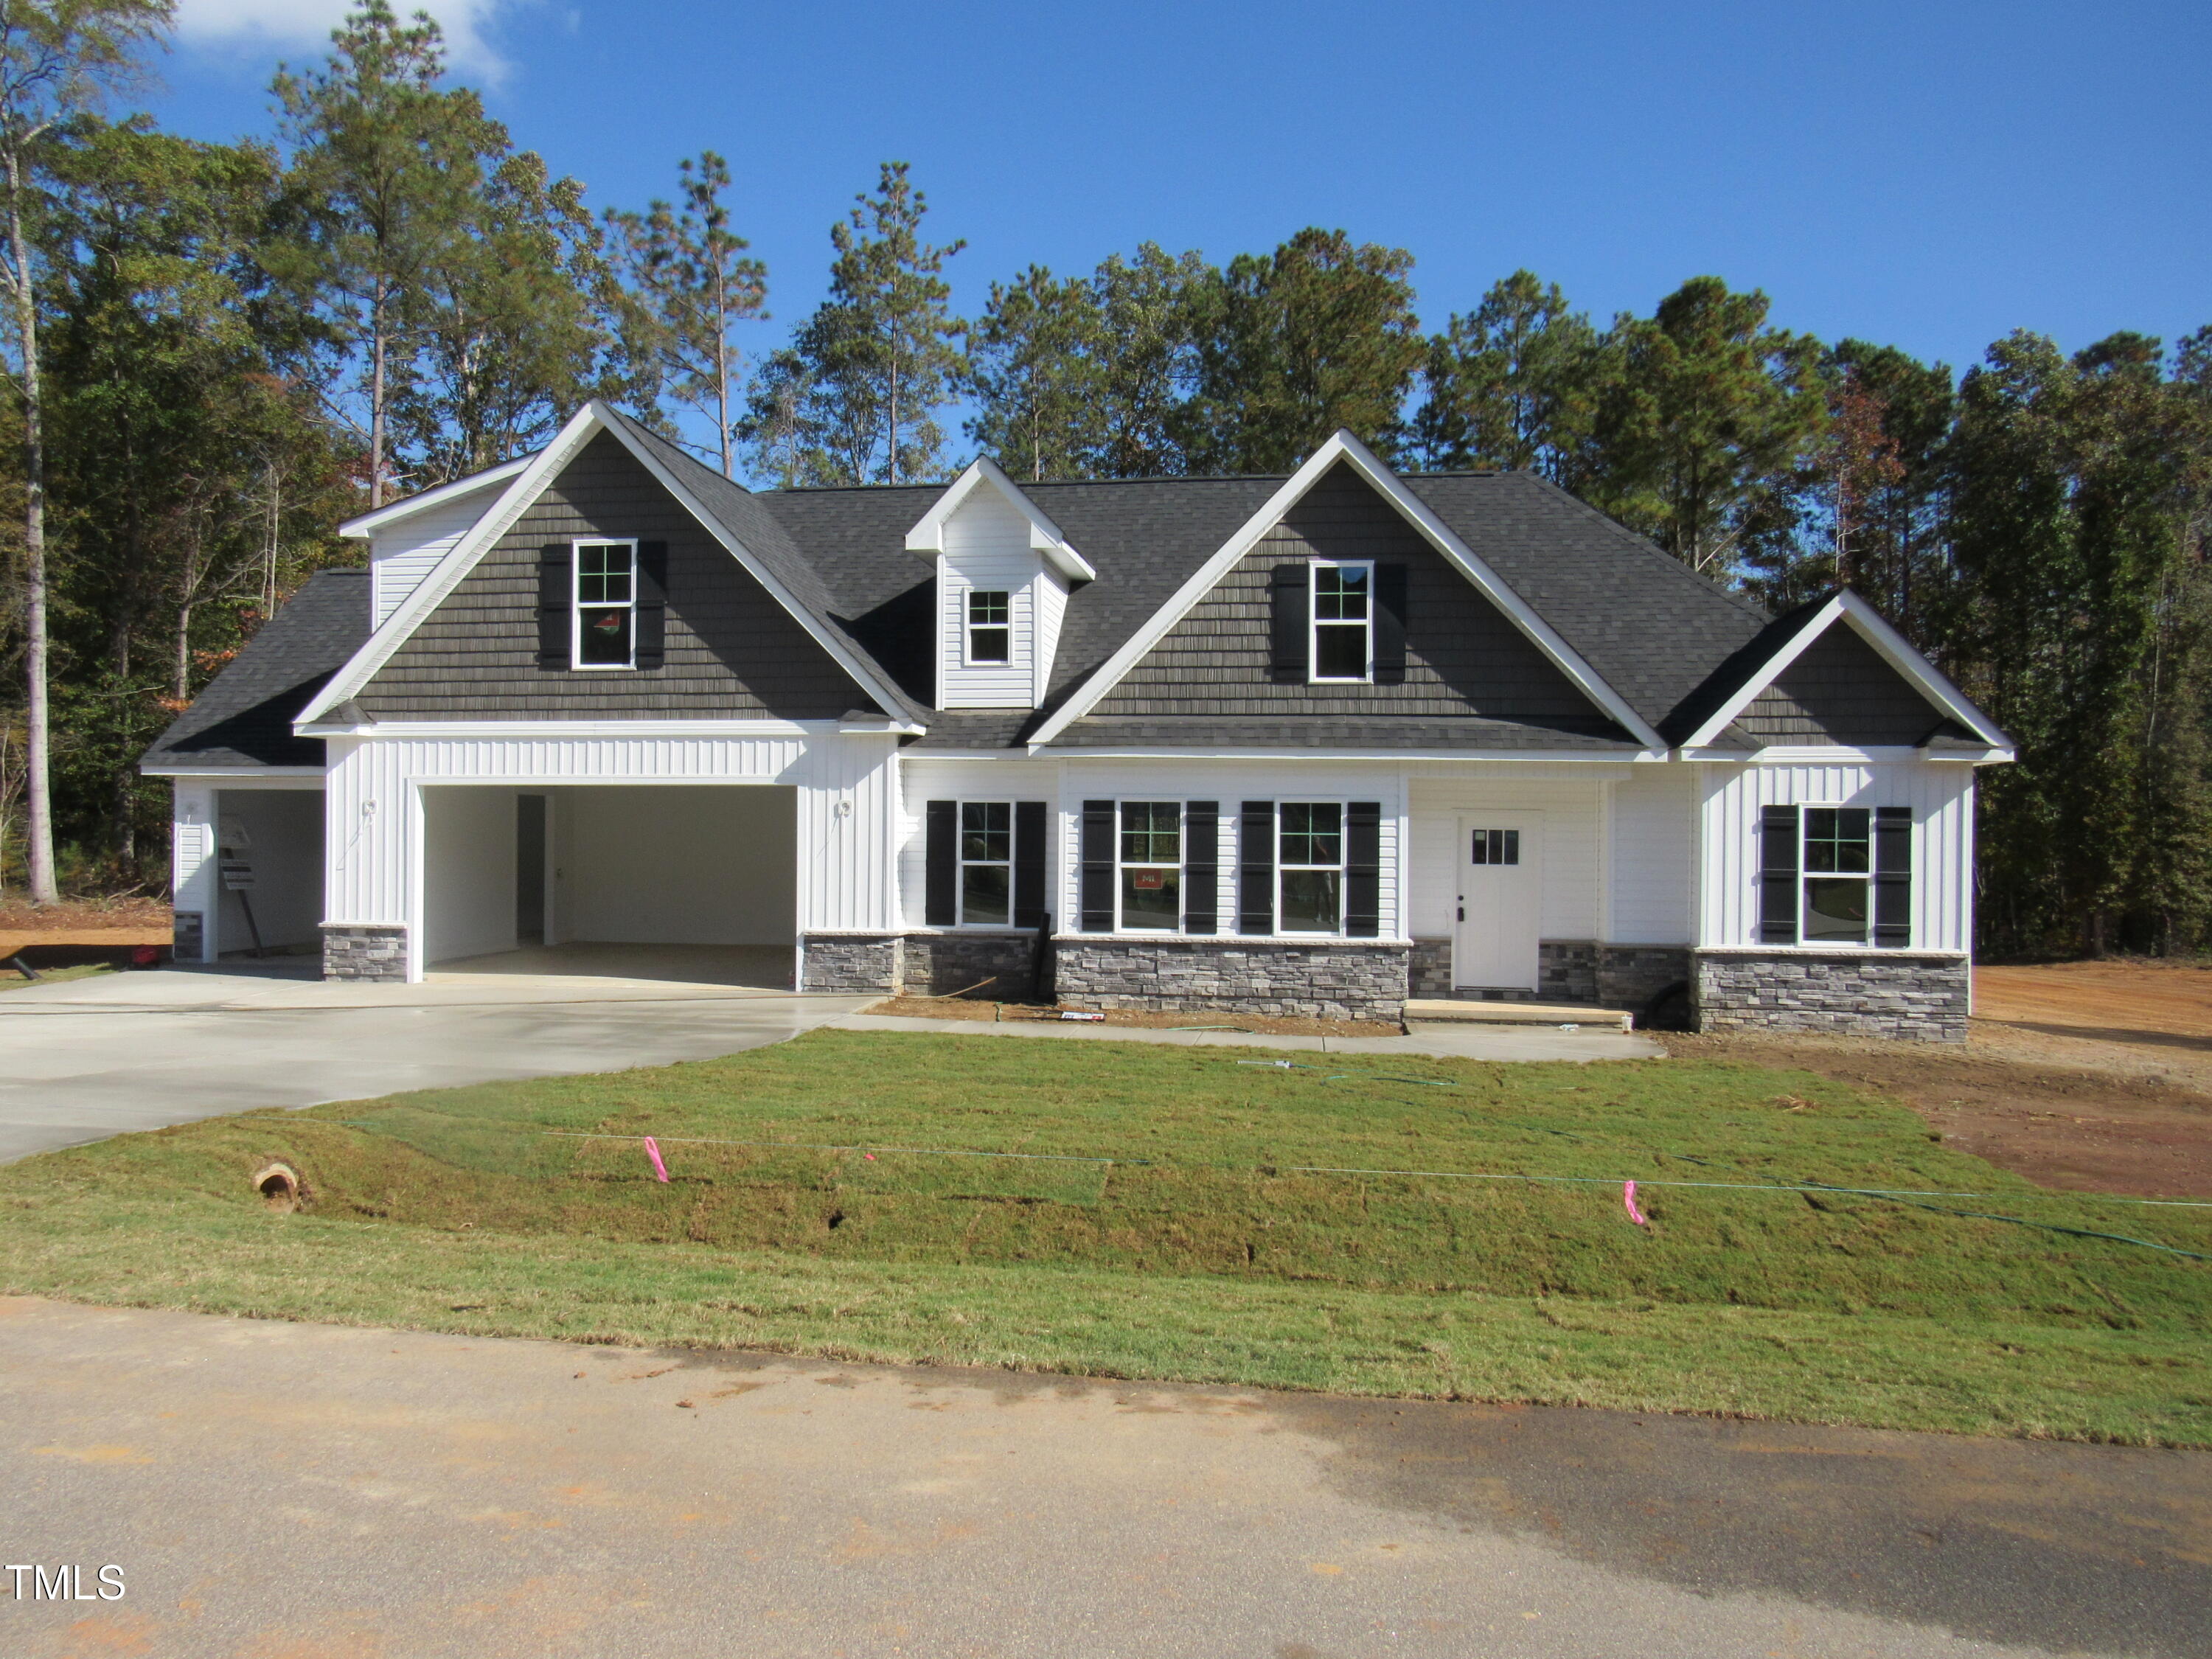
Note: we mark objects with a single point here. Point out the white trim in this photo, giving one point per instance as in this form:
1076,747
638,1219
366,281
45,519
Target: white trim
369,523
961,864
660,728
1409,756
576,546
927,535
1890,646
1344,447
969,625
1313,623
237,776
1841,754
521,491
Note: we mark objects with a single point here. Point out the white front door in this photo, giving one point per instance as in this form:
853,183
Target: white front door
1501,878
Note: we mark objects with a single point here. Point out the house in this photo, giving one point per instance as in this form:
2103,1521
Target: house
1313,745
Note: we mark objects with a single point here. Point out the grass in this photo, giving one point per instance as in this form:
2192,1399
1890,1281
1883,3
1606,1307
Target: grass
1204,1247
12,980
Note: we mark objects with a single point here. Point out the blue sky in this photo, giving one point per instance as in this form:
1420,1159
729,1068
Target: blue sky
1929,175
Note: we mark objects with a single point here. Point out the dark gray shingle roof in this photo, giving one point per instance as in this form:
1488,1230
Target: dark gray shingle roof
243,719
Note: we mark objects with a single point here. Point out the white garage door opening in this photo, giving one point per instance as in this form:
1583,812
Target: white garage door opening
695,884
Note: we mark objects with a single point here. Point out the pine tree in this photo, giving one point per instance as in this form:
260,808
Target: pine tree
1513,383
1035,368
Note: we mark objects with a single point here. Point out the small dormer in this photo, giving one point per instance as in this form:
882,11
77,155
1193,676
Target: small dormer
407,539
1004,572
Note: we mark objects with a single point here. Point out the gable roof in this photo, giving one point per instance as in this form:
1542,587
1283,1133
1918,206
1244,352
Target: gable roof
367,524
243,719
725,510
928,537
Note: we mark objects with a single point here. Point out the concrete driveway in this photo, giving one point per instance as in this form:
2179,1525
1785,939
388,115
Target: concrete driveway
269,1489
81,1059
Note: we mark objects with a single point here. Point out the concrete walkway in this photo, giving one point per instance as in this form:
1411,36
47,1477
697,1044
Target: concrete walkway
85,1059
1447,1041
271,1489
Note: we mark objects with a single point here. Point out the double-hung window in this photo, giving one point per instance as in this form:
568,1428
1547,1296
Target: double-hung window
1343,621
990,627
1310,863
605,607
1151,866
1839,868
986,863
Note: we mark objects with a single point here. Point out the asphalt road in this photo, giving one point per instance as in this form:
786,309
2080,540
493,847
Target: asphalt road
271,1489
80,1060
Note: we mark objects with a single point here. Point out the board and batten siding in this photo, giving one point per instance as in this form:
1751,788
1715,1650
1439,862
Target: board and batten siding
1653,834
986,546
846,808
1231,783
1941,795
402,556
1572,803
922,782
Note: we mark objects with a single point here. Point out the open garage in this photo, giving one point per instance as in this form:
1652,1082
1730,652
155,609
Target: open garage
267,899
695,883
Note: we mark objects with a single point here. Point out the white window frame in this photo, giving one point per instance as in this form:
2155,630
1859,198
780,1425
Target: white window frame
961,864
1179,866
576,605
1284,868
1315,624
1806,875
969,624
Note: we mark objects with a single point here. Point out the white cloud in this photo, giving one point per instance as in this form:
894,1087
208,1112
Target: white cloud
297,27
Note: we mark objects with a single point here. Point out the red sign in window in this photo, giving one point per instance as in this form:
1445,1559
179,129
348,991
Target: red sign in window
1147,880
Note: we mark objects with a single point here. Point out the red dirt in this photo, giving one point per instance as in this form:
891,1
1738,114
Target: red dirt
85,916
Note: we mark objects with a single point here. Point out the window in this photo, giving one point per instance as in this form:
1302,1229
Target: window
986,863
1343,621
1312,862
1151,866
1837,866
606,604
1496,846
990,628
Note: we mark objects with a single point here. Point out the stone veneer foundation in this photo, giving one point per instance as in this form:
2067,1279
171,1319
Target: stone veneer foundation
1567,970
187,936
365,951
849,962
1334,979
1886,993
938,964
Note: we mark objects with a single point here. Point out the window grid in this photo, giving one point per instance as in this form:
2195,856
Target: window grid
987,863
1837,890
1309,868
1496,846
1149,876
605,607
1343,645
990,628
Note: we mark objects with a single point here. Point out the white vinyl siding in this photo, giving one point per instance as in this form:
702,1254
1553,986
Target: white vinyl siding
1654,839
987,547
1940,796
1570,801
922,782
402,556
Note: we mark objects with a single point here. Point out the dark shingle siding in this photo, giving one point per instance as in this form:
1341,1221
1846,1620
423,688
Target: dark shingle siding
243,718
1304,736
1840,690
733,651
1464,658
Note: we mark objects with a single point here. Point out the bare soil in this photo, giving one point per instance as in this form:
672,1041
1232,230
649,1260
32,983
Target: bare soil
85,916
2090,1076
1149,1019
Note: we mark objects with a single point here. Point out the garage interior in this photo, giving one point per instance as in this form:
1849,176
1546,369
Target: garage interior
271,839
691,883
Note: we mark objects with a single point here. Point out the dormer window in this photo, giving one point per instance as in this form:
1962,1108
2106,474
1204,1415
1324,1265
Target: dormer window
606,604
990,627
1343,621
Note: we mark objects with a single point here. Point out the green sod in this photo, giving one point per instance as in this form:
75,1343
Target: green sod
1183,1216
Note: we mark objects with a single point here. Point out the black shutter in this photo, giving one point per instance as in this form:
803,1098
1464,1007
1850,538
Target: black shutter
1389,624
1363,869
1293,616
1256,869
1095,894
652,603
1029,833
941,864
556,586
1202,867
1893,876
1777,875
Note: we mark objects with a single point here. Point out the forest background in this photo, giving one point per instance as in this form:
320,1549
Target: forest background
218,352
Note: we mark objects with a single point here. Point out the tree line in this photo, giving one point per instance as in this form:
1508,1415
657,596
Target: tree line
217,352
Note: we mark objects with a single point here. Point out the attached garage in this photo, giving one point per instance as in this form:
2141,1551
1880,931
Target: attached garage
693,883
267,899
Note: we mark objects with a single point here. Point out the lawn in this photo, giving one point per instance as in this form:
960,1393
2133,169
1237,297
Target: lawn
1179,1214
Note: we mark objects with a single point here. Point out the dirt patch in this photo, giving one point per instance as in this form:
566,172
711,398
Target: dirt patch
85,916
1154,1019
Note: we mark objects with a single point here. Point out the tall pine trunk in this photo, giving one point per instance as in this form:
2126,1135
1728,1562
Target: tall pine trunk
38,782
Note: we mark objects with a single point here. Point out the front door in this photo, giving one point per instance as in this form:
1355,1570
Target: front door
1501,868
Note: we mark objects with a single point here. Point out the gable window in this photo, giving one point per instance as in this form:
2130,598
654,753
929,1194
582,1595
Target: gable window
990,627
1311,865
986,863
605,604
1151,866
1839,872
1343,621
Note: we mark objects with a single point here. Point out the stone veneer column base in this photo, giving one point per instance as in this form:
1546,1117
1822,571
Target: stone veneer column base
850,963
373,950
1886,994
187,936
938,964
1567,970
1319,979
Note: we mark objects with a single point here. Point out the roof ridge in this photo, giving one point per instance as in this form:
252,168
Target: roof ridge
1643,544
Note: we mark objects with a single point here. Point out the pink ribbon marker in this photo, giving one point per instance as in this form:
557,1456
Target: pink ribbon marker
1627,1197
660,1169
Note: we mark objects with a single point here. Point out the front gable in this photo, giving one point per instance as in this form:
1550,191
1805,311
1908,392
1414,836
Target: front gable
733,651
1840,690
1464,657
